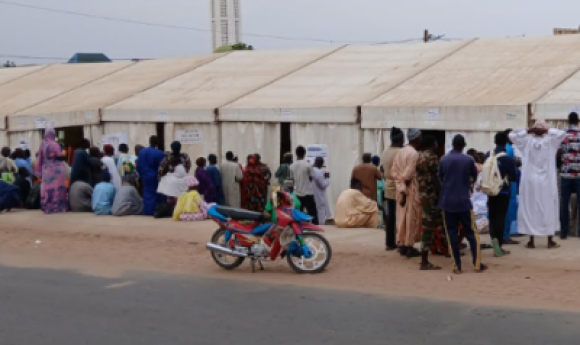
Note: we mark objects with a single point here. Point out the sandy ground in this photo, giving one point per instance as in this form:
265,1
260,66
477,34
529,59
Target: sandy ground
109,246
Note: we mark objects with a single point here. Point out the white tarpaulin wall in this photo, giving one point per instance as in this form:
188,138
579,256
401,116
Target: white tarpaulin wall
3,138
197,139
137,133
343,145
93,133
481,141
244,138
32,139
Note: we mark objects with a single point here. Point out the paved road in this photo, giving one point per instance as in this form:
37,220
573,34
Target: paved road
65,308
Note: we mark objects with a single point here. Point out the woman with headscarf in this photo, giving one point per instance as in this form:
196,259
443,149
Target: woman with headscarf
9,196
190,206
171,187
283,172
109,161
127,201
206,186
51,169
255,188
165,166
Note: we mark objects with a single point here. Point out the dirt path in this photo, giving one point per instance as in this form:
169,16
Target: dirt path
109,246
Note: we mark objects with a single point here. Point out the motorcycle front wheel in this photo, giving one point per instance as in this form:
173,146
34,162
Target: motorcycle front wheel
321,255
225,261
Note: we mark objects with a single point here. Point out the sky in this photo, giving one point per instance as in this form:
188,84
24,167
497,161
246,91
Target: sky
30,32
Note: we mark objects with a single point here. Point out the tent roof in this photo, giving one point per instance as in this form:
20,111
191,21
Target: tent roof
13,73
485,86
82,105
194,96
331,89
559,102
47,83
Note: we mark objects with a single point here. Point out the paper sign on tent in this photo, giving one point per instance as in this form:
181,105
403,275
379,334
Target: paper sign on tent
317,150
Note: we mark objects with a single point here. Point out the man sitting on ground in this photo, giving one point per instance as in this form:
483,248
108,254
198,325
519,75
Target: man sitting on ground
80,197
355,210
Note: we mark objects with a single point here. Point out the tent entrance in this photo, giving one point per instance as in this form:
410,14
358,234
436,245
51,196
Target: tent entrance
160,129
439,137
70,138
285,143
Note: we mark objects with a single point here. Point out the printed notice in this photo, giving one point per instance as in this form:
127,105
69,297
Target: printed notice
433,114
317,150
163,115
40,122
286,113
189,136
88,115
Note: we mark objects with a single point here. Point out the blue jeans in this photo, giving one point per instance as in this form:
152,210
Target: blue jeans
569,186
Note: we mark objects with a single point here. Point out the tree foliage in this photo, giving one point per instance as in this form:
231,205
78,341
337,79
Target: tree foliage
237,46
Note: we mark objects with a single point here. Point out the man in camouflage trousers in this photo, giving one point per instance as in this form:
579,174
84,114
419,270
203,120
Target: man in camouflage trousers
429,189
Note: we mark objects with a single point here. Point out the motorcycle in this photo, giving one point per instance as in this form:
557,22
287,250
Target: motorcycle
245,234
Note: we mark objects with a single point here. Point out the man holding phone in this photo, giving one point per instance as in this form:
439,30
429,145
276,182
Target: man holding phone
320,183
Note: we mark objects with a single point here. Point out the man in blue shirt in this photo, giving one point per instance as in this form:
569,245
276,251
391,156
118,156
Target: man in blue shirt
498,205
457,171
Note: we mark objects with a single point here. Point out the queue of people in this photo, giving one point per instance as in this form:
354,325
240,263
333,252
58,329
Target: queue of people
416,195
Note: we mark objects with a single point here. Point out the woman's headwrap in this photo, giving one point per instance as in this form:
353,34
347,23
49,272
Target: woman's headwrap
376,160
49,133
109,150
192,181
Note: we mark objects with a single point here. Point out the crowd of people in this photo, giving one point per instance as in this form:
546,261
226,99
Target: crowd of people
429,199
414,193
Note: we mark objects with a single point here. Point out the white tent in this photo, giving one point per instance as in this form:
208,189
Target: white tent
321,100
81,106
42,85
559,102
485,87
187,104
13,73
7,75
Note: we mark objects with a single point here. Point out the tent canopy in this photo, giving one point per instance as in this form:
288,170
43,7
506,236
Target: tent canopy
559,102
194,96
485,86
47,83
332,89
13,73
81,106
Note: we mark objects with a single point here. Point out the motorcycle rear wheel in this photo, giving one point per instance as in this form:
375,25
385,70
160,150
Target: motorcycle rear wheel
226,262
321,255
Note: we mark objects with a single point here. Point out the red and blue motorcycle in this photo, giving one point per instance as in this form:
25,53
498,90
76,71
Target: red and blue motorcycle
245,234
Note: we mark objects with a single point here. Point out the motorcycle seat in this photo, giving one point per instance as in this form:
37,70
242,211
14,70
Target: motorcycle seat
239,213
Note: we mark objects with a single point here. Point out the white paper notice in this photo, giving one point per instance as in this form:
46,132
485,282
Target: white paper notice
433,114
575,109
510,116
189,136
114,139
88,115
317,150
163,115
40,122
285,113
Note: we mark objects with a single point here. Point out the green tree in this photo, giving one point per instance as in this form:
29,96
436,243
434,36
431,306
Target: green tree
237,46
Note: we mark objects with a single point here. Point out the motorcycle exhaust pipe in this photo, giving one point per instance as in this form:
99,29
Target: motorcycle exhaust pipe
217,248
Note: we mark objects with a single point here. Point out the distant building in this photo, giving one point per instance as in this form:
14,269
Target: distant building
559,31
225,22
89,58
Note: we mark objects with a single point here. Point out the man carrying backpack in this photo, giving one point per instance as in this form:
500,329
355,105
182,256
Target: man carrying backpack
498,171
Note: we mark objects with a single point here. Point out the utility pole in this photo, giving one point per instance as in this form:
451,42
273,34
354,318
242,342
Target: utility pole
426,36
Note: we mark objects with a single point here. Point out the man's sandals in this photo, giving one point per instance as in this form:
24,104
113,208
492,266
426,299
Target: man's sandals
429,267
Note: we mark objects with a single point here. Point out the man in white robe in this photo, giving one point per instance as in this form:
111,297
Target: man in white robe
538,213
320,182
232,175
